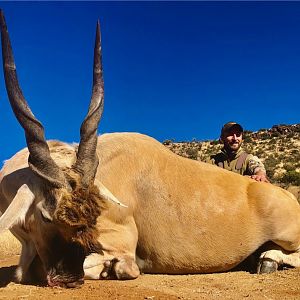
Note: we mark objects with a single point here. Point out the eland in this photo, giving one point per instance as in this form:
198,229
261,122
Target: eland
122,204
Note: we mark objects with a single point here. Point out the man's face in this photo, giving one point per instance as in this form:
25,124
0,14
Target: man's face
232,139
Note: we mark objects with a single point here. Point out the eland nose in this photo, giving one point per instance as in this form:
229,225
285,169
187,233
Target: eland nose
75,284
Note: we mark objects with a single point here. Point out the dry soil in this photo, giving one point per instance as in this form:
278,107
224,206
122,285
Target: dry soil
231,285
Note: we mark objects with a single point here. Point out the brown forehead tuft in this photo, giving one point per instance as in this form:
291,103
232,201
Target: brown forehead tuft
77,214
79,208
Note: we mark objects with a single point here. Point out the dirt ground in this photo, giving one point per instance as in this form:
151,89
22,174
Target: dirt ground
232,285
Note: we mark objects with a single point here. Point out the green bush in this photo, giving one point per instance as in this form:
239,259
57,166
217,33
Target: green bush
168,142
247,139
289,167
275,134
192,153
258,152
270,174
265,136
270,162
272,141
214,142
291,177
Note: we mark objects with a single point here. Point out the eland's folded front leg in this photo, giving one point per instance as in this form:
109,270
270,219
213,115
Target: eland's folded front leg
97,266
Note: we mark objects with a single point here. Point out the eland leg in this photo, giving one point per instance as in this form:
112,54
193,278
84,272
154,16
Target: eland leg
279,215
97,266
117,260
285,249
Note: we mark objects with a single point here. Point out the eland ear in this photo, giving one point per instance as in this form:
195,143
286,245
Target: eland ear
18,208
106,193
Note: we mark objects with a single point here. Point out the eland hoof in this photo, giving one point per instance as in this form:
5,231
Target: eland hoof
267,265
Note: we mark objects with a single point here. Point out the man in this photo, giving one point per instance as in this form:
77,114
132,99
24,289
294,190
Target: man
233,158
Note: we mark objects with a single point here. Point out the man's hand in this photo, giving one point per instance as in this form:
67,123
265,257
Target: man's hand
260,176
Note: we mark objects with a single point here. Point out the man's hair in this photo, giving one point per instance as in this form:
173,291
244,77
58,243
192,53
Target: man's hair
228,126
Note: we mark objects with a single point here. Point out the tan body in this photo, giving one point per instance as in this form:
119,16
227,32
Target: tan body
183,216
192,217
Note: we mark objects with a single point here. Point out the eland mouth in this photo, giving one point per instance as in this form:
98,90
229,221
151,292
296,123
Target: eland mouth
56,281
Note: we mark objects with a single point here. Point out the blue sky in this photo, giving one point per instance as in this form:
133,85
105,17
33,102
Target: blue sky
172,70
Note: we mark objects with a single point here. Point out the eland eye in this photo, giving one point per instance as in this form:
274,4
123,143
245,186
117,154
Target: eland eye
80,230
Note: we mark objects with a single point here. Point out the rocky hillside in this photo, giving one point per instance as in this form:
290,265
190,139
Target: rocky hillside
278,148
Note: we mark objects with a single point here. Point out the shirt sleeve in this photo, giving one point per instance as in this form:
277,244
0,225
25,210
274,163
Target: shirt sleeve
255,164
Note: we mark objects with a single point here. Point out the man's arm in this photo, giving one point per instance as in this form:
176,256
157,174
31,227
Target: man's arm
257,169
260,175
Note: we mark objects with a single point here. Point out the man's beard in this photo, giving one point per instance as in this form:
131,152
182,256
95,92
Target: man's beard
233,147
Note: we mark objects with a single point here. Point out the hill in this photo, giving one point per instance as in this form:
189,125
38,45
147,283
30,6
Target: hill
277,147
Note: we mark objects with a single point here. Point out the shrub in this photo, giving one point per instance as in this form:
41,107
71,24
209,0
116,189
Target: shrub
291,177
272,141
258,152
247,139
168,142
215,142
270,173
192,153
270,162
289,167
265,136
275,134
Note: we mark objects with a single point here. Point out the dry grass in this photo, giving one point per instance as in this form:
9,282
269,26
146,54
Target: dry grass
9,245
